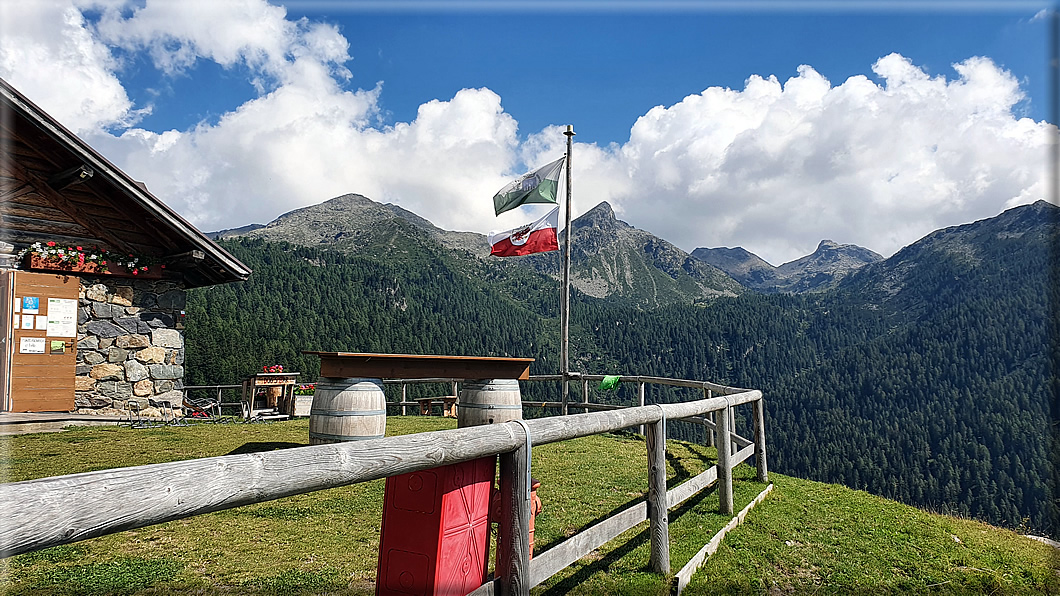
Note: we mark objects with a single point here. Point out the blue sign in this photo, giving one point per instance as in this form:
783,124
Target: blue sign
30,304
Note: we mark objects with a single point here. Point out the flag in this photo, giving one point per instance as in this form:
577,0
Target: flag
539,186
539,236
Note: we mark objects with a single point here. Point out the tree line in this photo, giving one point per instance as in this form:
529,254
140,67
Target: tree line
938,398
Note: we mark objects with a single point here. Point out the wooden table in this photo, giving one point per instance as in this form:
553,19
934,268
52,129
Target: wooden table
416,366
259,408
448,405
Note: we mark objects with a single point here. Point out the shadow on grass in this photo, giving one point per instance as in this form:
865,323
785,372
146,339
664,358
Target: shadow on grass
603,564
681,472
583,574
260,446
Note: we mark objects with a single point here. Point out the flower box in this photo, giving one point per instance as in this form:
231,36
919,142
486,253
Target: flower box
39,263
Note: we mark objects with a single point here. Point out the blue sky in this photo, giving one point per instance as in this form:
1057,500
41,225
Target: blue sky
239,111
601,70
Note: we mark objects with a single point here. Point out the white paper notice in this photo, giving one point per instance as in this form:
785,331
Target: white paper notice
15,320
27,321
62,317
42,322
31,345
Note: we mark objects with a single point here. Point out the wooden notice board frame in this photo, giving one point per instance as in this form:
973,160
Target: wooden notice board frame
38,381
419,366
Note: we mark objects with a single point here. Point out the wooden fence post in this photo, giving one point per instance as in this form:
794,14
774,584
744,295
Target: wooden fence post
707,394
760,440
563,397
725,504
657,515
585,394
513,532
404,395
640,393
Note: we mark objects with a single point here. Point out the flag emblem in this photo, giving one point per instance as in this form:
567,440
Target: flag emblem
539,236
539,186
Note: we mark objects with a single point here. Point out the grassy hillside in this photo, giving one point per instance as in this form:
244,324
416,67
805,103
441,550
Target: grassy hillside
805,537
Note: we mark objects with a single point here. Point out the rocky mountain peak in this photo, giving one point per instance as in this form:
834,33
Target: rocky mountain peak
602,217
812,273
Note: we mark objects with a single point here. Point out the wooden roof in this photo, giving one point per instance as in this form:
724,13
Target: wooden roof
54,187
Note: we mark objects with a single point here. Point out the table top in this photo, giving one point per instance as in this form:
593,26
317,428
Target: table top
419,366
283,378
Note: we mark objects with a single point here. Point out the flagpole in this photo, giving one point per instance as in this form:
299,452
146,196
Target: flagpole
564,311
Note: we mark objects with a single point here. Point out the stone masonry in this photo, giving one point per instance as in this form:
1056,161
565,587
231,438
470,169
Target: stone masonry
130,344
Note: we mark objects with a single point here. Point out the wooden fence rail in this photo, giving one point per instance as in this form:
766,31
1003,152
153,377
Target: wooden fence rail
134,497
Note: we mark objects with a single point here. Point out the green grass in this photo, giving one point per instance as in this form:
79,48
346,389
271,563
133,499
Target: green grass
806,537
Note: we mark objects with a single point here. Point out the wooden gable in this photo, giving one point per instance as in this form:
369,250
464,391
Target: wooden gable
54,187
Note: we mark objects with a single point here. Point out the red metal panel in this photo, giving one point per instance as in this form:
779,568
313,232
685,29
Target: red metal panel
435,531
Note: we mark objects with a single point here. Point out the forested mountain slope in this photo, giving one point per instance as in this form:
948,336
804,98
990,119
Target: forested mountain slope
924,377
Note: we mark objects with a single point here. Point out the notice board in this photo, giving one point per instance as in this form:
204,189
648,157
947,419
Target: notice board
39,327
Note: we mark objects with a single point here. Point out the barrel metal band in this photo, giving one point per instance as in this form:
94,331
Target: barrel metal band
346,412
316,435
491,406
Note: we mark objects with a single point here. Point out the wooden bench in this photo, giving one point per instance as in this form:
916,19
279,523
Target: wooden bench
448,405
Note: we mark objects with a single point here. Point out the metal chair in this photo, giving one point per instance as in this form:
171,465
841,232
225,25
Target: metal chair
204,410
137,419
170,416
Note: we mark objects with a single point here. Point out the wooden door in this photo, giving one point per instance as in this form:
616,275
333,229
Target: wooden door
42,347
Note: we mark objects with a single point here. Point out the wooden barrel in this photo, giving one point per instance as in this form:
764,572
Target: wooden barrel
273,395
347,409
488,401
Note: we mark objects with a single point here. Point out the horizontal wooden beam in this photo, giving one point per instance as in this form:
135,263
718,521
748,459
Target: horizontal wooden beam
718,389
43,226
683,576
679,494
557,558
740,441
127,498
411,366
29,237
743,454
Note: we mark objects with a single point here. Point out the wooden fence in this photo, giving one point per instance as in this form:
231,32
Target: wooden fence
134,497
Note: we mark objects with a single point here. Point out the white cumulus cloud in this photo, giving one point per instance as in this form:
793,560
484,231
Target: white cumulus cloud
48,53
879,159
776,167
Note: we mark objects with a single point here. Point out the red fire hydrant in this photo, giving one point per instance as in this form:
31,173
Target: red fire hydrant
535,507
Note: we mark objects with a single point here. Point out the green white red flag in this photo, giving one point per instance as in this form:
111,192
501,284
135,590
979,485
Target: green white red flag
536,237
539,186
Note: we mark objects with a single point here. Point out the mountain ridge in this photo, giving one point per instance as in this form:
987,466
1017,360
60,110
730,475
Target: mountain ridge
610,258
818,271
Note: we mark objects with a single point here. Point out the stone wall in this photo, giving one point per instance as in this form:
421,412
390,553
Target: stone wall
130,343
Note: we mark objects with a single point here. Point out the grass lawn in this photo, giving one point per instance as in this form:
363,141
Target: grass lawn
805,537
